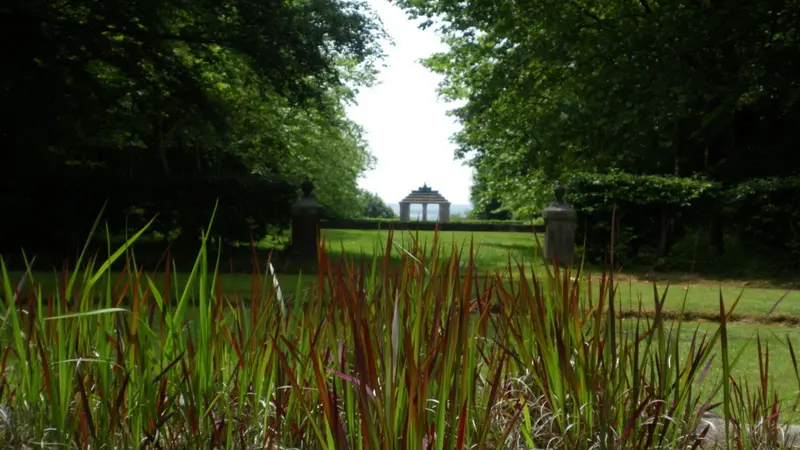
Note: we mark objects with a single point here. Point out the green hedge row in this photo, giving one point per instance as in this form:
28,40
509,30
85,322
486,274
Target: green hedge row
496,226
766,212
538,221
653,211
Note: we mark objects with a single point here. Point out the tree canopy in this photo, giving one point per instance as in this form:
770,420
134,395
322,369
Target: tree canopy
687,88
690,89
372,206
164,107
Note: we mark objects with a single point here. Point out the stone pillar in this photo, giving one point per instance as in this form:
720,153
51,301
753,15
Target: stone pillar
424,212
405,211
305,224
560,222
444,213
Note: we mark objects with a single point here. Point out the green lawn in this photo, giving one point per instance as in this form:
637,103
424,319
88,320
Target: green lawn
492,249
492,255
742,342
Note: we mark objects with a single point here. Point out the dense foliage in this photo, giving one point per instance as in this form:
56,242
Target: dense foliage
162,107
373,207
766,214
653,87
648,210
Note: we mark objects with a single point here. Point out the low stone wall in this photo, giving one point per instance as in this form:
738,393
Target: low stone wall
430,226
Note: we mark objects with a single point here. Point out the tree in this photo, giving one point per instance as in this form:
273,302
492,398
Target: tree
486,206
705,90
163,107
650,87
372,206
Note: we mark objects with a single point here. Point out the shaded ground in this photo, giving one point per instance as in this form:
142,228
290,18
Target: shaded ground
762,300
494,250
698,279
757,304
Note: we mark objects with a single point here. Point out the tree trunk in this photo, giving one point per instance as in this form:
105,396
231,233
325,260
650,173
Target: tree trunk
717,234
162,152
666,222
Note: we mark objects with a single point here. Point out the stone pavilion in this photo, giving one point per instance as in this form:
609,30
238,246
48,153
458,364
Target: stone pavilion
425,196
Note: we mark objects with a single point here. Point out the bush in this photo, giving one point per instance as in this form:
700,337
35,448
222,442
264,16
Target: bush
248,206
765,214
372,206
537,221
53,214
650,211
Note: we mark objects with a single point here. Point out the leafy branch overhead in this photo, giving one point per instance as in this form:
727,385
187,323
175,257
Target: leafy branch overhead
596,192
546,89
135,96
644,87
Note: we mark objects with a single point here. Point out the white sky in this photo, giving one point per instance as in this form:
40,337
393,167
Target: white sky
405,123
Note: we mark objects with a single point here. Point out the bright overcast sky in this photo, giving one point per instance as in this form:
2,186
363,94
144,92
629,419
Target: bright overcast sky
405,123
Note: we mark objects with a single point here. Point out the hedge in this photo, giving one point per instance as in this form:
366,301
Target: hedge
650,210
765,214
537,221
653,211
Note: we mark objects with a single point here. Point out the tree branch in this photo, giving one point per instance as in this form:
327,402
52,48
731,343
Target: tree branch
588,13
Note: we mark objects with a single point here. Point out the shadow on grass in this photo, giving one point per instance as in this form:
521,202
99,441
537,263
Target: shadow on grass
644,274
152,257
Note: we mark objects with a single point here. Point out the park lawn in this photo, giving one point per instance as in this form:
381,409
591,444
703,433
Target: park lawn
702,301
742,341
492,249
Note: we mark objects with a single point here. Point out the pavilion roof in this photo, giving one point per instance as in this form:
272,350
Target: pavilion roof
424,195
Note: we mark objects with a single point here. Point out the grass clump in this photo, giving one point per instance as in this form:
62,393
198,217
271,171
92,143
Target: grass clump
425,354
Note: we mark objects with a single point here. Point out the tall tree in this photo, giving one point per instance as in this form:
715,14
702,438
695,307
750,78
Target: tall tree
162,106
651,87
372,206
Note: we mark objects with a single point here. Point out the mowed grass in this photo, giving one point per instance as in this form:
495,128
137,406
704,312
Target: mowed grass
492,249
493,252
757,304
495,249
743,343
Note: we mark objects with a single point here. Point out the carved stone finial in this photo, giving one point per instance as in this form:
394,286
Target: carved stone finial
308,187
559,191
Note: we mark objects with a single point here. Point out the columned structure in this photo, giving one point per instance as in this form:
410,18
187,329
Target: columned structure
425,196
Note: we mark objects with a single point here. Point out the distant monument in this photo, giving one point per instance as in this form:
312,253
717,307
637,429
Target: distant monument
425,196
